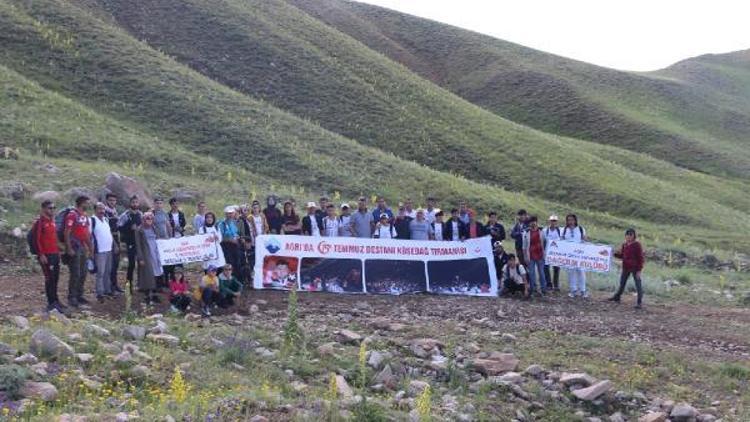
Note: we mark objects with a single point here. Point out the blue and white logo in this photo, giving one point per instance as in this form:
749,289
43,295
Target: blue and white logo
273,245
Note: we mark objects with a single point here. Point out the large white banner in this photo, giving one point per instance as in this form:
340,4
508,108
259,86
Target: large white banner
198,248
576,255
384,266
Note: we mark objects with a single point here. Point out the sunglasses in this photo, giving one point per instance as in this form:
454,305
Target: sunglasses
51,208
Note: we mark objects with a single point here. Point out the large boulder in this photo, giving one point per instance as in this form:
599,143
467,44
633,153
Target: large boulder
134,332
343,388
577,378
683,412
125,187
495,364
43,391
45,344
48,195
14,190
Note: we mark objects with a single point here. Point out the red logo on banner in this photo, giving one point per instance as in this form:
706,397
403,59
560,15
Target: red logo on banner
324,247
477,250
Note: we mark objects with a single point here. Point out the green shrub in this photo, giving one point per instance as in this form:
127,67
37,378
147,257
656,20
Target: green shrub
735,370
368,411
12,378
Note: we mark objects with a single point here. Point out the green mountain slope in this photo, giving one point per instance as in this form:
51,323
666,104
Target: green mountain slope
275,52
669,119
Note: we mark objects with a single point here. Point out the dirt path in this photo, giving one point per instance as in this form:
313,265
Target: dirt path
717,333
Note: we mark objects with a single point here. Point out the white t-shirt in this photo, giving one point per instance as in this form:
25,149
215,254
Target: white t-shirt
330,226
456,234
516,274
430,215
102,234
573,234
344,226
438,231
258,221
412,214
176,221
385,231
314,229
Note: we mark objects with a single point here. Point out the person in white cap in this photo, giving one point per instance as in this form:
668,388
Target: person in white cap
384,229
311,223
552,233
345,221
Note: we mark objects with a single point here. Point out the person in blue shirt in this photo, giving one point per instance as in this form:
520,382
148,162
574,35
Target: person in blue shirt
382,208
230,238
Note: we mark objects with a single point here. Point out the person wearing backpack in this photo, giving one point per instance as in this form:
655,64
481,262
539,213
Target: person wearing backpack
573,232
127,224
78,248
633,259
44,244
515,278
552,233
103,243
533,249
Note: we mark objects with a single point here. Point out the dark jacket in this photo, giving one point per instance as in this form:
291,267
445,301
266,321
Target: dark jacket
463,233
517,234
307,226
183,223
632,257
497,231
402,227
273,217
481,230
125,224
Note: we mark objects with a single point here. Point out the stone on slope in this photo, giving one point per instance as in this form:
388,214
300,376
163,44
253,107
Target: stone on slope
683,412
387,378
495,364
416,387
577,378
96,331
45,344
593,392
133,332
342,387
43,391
348,337
21,322
165,339
653,417
327,349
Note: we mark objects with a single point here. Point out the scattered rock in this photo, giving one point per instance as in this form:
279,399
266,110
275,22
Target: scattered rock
21,322
327,349
84,357
166,339
425,347
264,352
45,344
534,370
416,387
60,317
376,359
14,190
578,378
593,392
48,195
387,378
617,417
159,328
139,372
26,359
125,187
510,377
259,418
97,331
342,387
7,350
683,412
508,338
43,391
495,364
348,337
40,369
133,332
653,417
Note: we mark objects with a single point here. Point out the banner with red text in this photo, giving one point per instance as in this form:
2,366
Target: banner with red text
198,248
576,255
383,266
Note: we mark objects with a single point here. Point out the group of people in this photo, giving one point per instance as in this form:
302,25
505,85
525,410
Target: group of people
95,244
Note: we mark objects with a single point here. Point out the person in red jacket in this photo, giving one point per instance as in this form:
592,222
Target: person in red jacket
631,253
48,252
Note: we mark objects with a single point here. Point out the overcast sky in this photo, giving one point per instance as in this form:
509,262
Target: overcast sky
628,35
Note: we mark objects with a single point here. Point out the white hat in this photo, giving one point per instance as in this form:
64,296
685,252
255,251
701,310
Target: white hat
229,208
344,205
553,217
499,244
420,210
311,205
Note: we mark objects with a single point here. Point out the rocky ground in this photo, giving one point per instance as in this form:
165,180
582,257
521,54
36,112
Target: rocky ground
483,359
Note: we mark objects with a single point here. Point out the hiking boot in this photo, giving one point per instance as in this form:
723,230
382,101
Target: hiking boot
572,295
638,306
100,299
614,299
116,289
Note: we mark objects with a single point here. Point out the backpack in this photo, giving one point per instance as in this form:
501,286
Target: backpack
31,238
557,229
507,271
60,222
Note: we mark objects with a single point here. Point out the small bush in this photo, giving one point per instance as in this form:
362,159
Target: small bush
736,371
368,411
684,279
12,378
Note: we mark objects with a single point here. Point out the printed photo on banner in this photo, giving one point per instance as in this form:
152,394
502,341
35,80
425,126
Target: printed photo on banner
464,277
331,275
280,272
395,277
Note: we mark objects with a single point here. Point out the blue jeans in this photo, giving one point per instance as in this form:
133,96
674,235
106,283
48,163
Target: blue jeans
536,268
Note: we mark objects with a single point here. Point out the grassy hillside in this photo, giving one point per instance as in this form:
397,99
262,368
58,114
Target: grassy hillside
670,119
78,89
273,51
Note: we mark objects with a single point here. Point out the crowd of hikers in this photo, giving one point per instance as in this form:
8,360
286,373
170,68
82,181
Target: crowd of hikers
94,244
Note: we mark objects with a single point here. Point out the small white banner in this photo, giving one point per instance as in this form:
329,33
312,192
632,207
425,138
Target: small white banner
198,248
575,255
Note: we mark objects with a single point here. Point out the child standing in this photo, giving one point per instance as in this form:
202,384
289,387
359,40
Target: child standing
631,253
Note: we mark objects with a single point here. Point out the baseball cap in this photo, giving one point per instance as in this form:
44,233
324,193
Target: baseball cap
384,215
212,268
498,244
229,208
344,205
553,217
311,204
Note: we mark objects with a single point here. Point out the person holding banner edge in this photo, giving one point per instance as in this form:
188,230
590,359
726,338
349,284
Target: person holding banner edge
573,232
